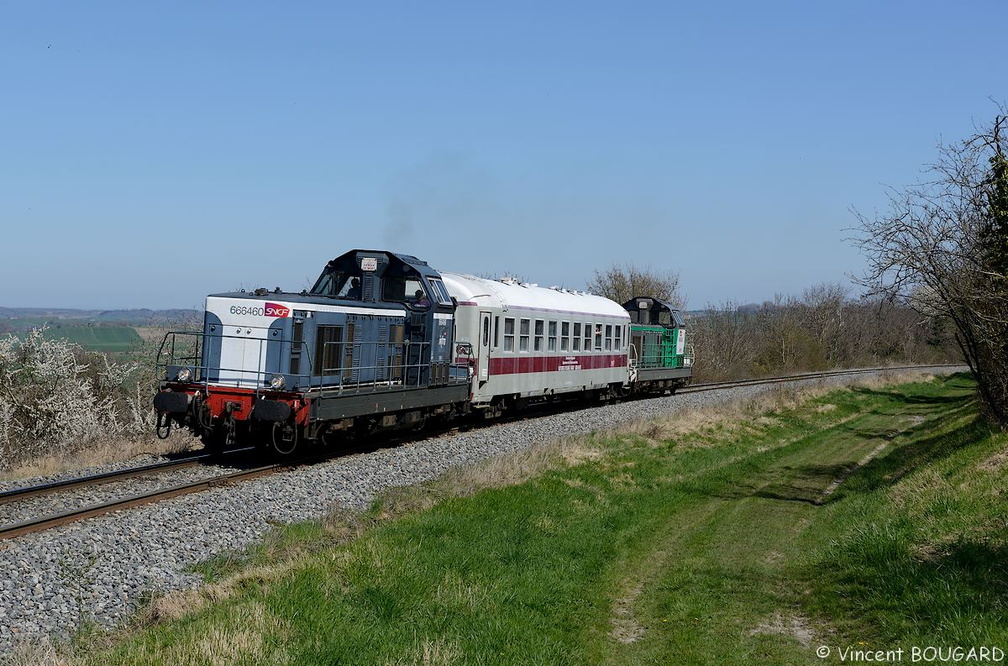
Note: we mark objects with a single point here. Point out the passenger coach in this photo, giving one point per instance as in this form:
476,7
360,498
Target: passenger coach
530,343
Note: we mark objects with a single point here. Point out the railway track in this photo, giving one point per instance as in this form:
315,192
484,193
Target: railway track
55,520
47,522
783,379
19,494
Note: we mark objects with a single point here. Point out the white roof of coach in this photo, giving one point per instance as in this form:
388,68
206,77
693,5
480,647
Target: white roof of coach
513,294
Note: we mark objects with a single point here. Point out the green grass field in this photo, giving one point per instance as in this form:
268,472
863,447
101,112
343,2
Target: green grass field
97,338
865,519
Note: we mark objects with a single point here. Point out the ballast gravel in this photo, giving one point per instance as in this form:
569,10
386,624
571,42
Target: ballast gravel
80,498
102,569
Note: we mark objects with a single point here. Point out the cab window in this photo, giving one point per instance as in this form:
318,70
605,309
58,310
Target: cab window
402,289
331,283
440,292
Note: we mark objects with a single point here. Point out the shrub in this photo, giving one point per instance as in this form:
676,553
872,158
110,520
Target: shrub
55,398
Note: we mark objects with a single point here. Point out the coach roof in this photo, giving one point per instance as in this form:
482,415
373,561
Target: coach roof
506,294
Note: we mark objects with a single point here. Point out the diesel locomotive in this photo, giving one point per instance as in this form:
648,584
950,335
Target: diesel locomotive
384,341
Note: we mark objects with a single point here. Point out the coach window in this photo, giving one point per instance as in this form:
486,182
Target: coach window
497,333
523,335
608,337
576,341
551,337
509,334
565,336
587,337
618,342
598,337
538,335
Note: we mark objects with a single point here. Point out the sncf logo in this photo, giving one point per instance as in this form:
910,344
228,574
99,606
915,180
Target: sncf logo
277,310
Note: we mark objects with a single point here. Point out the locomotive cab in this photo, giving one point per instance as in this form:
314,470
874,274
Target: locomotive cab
387,280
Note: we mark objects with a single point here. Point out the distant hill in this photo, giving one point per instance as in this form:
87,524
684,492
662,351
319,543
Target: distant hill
133,317
100,330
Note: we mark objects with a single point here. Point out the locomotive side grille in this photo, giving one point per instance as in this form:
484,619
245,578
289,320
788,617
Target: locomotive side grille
327,351
397,351
295,354
352,372
381,360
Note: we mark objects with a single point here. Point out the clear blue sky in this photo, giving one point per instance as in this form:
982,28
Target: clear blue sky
150,155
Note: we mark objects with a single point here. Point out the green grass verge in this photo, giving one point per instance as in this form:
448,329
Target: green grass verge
871,519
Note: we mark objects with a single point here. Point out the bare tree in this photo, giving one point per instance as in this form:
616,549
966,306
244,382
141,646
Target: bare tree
721,338
943,249
621,283
824,318
820,330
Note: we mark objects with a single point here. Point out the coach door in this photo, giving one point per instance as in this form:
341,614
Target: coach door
483,362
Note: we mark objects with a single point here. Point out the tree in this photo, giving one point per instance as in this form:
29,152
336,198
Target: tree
943,249
824,307
621,283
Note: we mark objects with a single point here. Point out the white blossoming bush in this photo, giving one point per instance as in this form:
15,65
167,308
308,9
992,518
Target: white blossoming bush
55,398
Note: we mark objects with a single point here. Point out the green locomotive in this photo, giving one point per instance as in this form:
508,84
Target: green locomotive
659,357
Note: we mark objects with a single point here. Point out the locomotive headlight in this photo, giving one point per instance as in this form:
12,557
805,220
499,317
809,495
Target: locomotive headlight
184,375
277,382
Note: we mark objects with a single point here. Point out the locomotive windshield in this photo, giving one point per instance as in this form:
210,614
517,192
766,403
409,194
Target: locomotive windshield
338,284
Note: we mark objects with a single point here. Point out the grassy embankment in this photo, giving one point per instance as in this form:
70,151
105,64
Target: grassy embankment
867,518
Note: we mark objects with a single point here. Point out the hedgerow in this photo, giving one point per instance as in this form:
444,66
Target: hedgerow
56,398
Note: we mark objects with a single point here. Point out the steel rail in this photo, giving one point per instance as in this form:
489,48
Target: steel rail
711,386
17,494
55,520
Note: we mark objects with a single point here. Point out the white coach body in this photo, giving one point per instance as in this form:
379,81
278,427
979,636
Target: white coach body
532,342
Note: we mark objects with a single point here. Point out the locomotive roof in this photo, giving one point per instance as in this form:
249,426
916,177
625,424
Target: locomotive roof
472,290
354,257
647,310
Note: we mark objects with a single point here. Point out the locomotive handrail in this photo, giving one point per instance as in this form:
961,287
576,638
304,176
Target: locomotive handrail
383,375
171,335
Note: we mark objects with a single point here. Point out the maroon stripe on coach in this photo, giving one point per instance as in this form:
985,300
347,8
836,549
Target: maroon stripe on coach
519,364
